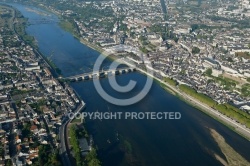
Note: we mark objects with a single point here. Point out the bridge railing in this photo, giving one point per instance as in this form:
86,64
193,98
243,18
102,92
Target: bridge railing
98,72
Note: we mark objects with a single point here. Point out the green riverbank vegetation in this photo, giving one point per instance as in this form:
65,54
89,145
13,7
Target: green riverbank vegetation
226,109
91,158
69,26
170,81
19,27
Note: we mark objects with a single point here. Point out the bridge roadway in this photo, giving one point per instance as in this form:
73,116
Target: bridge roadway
96,74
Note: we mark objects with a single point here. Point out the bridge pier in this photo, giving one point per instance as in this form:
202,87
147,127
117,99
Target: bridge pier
117,72
101,74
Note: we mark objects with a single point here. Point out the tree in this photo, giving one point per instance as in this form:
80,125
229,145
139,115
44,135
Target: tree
26,130
194,27
9,163
1,150
229,59
46,157
142,38
94,162
91,155
209,72
75,144
195,50
91,158
54,159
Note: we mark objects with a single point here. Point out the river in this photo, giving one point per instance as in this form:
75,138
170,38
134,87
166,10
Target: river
187,141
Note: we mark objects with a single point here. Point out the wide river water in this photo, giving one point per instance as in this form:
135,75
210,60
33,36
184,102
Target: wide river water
187,141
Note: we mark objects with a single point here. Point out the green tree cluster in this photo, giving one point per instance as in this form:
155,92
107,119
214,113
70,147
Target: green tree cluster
46,156
209,72
226,109
201,97
194,27
8,162
170,81
26,130
92,159
144,50
195,50
226,82
75,145
245,90
234,113
1,150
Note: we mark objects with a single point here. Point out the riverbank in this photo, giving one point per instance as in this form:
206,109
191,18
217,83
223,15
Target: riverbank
30,40
97,48
169,88
206,110
19,25
238,128
231,127
64,151
231,124
71,56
